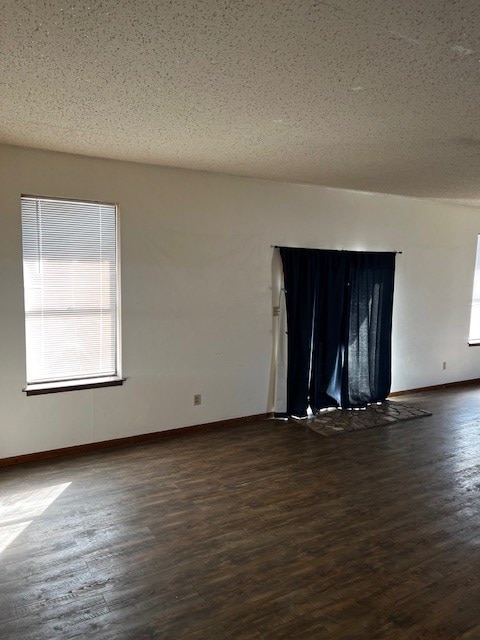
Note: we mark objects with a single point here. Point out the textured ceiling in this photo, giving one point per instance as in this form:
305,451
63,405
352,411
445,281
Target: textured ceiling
376,95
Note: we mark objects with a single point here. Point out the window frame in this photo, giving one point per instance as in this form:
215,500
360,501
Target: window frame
91,382
474,342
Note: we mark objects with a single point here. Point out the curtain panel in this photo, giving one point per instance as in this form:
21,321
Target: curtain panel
339,321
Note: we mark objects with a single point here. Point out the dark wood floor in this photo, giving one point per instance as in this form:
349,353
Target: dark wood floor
266,531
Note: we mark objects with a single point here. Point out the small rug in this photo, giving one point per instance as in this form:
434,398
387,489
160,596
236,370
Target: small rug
335,421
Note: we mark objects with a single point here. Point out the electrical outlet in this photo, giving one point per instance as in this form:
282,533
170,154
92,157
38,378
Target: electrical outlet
444,366
197,399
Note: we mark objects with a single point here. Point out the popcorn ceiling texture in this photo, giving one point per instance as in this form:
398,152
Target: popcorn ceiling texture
376,95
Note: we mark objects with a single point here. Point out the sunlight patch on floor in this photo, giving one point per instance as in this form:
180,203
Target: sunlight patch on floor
19,510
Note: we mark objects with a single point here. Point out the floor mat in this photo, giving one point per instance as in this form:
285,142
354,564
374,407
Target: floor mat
335,421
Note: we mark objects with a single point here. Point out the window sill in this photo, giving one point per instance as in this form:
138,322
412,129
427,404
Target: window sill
72,385
474,343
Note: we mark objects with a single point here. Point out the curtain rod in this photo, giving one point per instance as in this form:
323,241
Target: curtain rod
277,246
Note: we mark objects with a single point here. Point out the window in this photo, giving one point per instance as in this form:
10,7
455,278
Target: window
474,335
71,283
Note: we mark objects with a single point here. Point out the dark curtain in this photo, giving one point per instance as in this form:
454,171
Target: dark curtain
339,320
368,356
328,344
300,274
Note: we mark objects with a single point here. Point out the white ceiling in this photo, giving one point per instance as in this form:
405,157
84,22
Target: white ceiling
376,95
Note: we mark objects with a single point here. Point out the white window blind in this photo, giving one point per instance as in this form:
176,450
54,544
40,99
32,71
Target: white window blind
474,335
71,290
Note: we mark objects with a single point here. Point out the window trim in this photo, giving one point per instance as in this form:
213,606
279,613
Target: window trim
474,342
77,384
72,385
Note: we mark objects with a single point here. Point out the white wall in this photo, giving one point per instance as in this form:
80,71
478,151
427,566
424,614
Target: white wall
196,278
